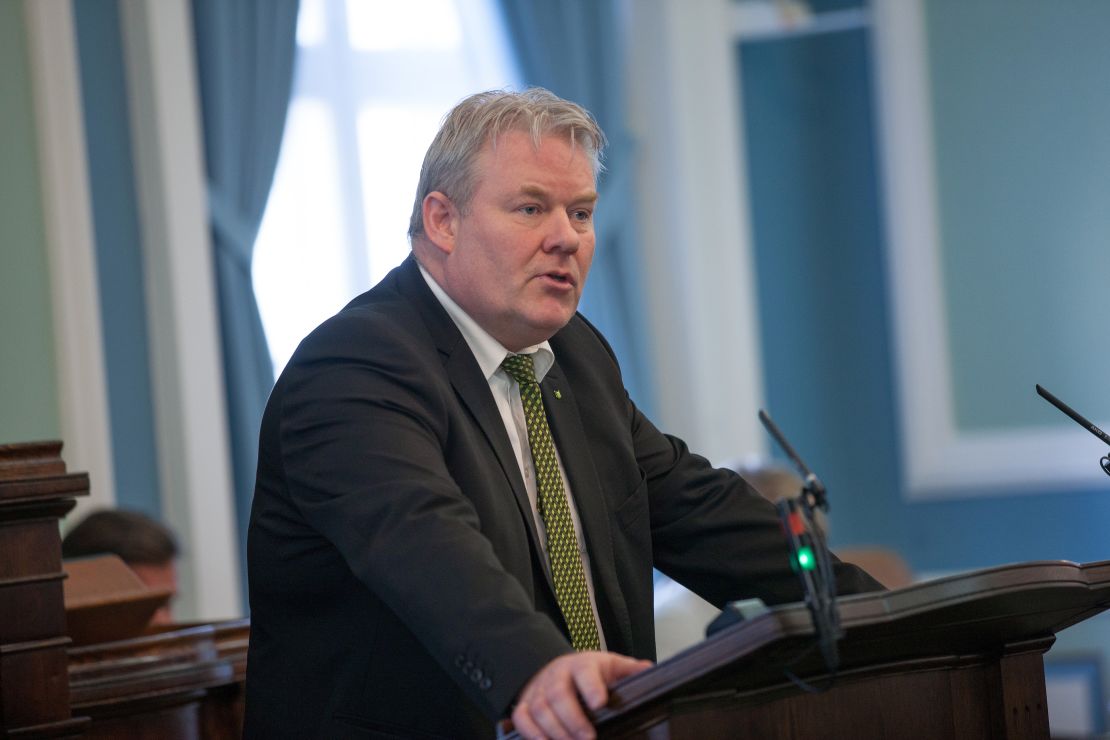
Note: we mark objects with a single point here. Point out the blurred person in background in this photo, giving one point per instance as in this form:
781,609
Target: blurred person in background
147,546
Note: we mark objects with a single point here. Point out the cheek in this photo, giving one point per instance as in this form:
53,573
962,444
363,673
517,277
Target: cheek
585,257
495,251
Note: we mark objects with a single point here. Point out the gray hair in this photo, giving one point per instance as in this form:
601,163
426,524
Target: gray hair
449,163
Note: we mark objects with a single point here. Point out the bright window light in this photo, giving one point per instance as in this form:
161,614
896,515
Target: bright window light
385,25
311,23
301,239
392,138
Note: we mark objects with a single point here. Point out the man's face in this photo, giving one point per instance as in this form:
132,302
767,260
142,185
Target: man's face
524,243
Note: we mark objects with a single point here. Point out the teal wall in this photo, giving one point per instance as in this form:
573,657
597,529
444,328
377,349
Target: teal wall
28,391
820,272
824,300
1021,112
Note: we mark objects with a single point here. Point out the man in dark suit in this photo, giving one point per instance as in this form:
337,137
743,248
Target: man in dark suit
458,507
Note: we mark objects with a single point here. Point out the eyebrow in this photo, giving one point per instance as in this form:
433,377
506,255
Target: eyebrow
534,191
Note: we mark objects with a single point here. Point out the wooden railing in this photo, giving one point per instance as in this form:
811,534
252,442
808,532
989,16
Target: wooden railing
182,683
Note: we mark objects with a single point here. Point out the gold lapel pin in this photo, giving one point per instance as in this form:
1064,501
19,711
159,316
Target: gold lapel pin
558,393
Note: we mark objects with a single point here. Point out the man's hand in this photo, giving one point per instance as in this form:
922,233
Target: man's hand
550,705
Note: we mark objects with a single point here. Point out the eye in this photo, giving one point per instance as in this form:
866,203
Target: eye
582,215
529,210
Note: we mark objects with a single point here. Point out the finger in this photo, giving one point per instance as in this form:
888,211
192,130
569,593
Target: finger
546,718
523,724
594,687
591,684
566,705
621,666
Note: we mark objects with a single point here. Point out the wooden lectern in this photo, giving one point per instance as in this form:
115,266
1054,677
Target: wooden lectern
958,657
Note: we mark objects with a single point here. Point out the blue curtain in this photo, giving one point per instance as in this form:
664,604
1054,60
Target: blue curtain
245,51
572,47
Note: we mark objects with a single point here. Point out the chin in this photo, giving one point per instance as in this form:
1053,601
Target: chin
555,323
540,325
536,333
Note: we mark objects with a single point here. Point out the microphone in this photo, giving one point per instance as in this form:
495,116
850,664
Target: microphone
809,554
1080,420
812,486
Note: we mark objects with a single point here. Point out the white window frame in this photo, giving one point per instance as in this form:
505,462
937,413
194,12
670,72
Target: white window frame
940,460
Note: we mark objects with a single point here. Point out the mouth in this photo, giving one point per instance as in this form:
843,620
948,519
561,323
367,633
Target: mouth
559,278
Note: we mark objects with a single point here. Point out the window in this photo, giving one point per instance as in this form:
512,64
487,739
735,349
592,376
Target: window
374,79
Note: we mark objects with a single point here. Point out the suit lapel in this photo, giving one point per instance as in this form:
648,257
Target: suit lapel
573,444
471,386
474,391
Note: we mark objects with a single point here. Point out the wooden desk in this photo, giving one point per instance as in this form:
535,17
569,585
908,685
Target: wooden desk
176,684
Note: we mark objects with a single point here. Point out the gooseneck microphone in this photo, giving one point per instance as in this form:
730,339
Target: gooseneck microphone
1081,421
812,487
809,553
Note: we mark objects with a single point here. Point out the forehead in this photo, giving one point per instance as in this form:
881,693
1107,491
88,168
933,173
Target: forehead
515,155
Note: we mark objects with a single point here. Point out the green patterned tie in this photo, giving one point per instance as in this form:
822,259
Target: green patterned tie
562,544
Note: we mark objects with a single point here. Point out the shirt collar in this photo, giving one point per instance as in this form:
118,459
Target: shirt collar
487,351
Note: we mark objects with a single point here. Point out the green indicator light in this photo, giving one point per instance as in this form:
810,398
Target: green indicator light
805,558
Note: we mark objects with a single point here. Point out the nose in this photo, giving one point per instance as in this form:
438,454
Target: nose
562,235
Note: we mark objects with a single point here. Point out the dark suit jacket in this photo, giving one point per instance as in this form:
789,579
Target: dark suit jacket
394,580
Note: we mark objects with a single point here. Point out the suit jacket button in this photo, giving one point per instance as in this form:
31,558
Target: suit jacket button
459,660
485,684
476,675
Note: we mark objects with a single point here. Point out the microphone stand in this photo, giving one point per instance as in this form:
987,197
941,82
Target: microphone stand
809,552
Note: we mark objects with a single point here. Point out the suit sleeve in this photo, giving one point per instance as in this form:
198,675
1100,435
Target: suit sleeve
363,430
710,530
714,533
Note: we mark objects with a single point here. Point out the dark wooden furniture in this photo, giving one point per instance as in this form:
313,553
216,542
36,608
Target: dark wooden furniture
35,493
106,601
176,684
959,657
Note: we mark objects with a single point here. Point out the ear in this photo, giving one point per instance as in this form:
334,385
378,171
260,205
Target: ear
441,221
